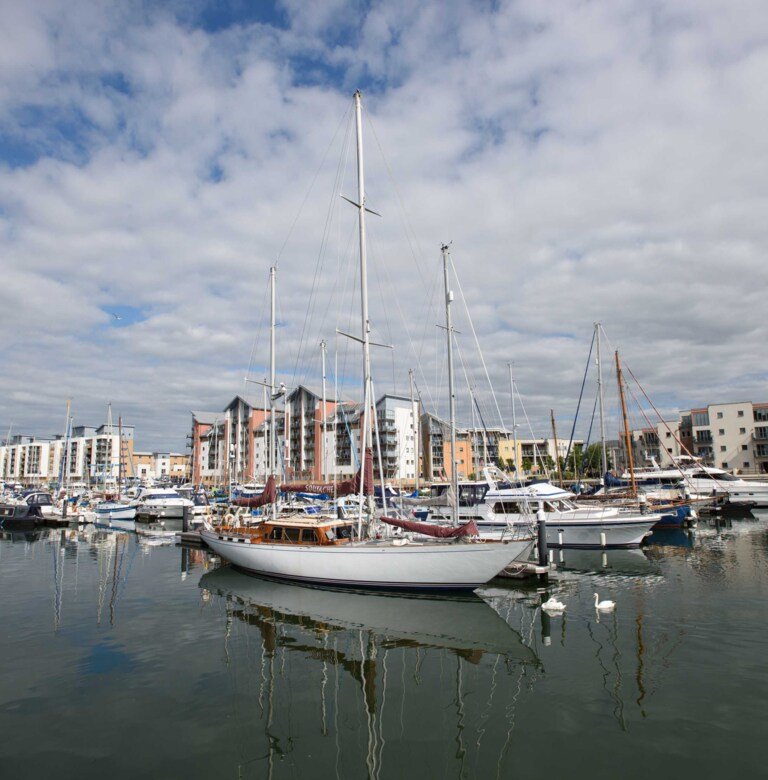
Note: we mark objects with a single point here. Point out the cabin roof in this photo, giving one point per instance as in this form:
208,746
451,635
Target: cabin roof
305,521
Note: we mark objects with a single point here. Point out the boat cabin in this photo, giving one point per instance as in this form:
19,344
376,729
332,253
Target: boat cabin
303,531
470,493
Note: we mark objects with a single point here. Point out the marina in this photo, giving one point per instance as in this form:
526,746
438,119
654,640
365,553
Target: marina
383,390
222,674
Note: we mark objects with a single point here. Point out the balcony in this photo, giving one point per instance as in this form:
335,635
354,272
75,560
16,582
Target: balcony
703,437
761,451
761,434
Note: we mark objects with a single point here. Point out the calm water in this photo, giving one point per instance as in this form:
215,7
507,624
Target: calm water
119,659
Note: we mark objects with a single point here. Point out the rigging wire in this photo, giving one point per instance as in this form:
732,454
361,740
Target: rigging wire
477,342
581,395
319,262
344,117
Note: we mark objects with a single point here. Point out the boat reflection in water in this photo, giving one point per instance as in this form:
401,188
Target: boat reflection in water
369,672
626,562
463,623
671,537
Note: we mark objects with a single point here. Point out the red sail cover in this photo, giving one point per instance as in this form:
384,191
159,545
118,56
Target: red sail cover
347,487
268,496
431,529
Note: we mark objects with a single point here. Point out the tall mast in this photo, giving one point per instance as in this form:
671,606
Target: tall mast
600,402
272,438
120,454
64,455
451,392
324,413
627,437
557,448
514,420
365,431
414,411
265,424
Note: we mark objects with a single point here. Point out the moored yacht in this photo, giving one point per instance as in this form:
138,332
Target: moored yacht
498,505
330,551
161,504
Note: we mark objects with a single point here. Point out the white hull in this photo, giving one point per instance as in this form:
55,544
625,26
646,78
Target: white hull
606,532
748,494
115,512
161,511
379,564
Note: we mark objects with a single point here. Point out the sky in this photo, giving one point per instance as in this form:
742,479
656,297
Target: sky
588,161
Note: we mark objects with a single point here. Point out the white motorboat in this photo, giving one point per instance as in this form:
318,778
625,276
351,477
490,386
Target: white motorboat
497,506
706,480
161,504
107,511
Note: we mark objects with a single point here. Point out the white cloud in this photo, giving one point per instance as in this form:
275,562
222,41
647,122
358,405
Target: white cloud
600,160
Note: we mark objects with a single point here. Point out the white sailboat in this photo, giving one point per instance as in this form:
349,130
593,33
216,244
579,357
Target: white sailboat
341,551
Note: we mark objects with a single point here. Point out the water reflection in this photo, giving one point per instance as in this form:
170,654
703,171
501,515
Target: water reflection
466,624
409,658
629,562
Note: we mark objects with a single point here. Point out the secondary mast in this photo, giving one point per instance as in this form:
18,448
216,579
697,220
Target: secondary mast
324,465
451,391
603,450
514,420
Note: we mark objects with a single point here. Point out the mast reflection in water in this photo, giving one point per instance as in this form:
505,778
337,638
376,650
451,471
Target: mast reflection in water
369,670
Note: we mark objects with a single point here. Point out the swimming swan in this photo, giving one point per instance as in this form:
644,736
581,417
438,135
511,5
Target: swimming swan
605,606
553,605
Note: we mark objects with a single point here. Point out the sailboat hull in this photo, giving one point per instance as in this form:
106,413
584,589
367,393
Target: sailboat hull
439,566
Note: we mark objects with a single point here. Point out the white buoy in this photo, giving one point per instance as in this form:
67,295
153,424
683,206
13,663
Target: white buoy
602,538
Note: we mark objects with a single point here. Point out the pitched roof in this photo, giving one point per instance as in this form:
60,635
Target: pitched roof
208,418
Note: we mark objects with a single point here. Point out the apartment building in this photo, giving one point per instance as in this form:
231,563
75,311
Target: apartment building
91,454
172,466
232,445
732,436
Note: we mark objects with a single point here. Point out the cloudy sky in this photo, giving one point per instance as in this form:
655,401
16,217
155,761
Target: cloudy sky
600,160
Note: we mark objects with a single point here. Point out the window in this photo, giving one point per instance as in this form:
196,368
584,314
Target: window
721,431
744,447
308,536
746,464
700,418
719,415
723,465
740,413
722,448
669,449
669,434
291,534
742,430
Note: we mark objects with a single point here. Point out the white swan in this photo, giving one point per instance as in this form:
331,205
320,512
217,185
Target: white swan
605,606
553,605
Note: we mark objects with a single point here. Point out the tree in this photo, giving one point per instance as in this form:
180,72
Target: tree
593,461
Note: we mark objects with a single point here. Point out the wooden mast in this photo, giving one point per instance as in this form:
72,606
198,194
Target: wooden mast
627,437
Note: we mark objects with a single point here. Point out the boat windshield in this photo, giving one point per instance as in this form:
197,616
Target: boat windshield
719,477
